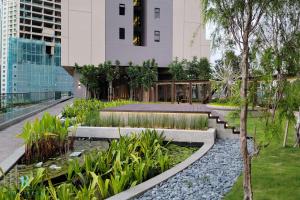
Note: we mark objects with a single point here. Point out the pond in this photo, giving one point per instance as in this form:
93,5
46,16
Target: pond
58,166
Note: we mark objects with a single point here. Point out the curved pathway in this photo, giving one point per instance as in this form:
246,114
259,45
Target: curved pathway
210,178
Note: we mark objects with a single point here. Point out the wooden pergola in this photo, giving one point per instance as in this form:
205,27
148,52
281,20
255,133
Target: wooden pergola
180,90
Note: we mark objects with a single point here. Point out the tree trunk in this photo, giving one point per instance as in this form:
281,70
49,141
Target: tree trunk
110,91
297,144
243,119
141,94
131,94
278,93
286,133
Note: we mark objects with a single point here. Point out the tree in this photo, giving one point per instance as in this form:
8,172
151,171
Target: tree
111,73
148,74
198,69
237,21
92,78
275,38
142,77
177,70
205,69
288,105
134,75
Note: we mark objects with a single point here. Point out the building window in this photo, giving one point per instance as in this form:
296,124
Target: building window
122,33
156,36
122,9
156,13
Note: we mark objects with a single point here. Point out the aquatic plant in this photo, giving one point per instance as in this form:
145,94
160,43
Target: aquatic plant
45,138
100,174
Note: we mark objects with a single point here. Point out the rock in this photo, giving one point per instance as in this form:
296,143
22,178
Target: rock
38,165
21,167
76,154
54,167
210,177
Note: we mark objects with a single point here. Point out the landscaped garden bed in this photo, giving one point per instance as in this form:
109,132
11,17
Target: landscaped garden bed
91,113
148,120
103,168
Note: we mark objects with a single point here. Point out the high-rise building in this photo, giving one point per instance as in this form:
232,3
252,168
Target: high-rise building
94,31
31,50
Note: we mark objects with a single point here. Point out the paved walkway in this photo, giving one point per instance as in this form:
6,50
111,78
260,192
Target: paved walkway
8,140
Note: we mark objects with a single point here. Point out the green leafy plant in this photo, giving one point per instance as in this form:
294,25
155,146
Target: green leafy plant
100,174
87,111
45,138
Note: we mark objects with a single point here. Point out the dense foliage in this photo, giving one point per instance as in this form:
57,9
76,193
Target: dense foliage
196,69
81,108
98,78
93,78
128,162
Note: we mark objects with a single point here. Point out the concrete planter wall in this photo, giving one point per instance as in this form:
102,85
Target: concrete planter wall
191,136
176,135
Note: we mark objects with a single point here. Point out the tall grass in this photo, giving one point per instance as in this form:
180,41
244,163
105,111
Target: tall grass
168,121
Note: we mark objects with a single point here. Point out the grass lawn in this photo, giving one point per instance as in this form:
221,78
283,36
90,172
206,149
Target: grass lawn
227,104
275,172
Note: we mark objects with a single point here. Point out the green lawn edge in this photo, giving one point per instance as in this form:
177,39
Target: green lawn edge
275,171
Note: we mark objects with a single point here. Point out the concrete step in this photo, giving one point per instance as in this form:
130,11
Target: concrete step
223,128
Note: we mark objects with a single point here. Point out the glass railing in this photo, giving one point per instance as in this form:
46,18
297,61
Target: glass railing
12,100
16,105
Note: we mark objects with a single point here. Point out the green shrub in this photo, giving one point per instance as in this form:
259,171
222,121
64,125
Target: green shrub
81,107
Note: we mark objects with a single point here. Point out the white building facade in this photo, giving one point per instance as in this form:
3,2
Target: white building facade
94,31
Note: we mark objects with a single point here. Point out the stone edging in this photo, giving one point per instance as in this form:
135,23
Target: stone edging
10,161
143,187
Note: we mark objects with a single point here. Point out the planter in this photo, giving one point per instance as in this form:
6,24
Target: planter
174,135
207,138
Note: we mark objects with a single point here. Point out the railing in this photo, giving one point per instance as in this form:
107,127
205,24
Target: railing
12,100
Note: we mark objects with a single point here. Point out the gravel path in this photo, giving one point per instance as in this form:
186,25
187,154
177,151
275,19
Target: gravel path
211,177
